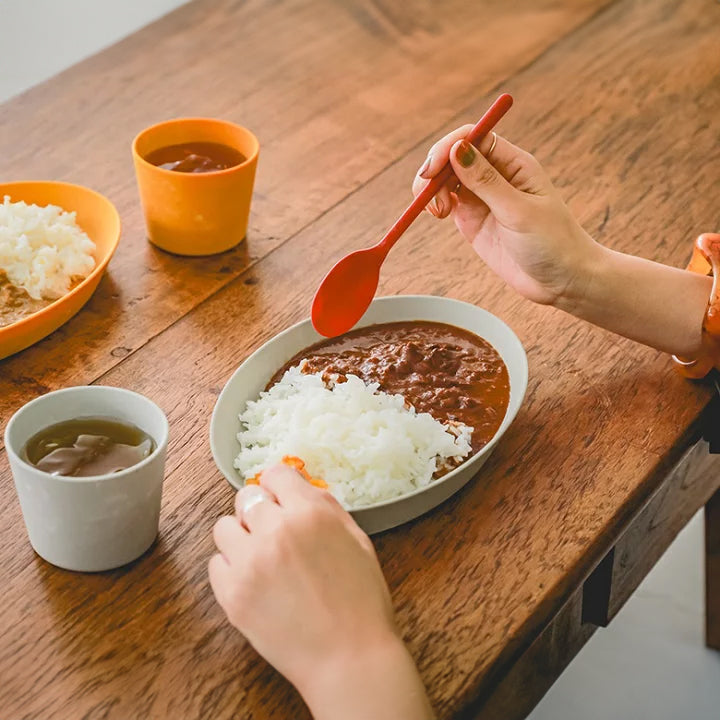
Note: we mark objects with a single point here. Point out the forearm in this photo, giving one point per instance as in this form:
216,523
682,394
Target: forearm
653,304
371,684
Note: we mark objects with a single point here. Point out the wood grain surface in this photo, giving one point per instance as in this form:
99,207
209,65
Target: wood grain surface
517,693
690,485
610,585
330,89
618,100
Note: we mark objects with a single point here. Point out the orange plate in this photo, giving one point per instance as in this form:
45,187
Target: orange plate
97,216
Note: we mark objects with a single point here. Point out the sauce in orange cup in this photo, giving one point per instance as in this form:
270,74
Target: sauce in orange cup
193,208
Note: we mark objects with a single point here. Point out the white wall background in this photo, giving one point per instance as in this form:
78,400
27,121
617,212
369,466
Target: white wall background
38,38
651,662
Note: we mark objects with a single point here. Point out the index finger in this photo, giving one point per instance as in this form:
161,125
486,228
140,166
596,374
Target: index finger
439,153
286,484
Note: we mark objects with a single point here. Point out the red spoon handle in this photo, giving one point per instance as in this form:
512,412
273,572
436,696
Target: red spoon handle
486,123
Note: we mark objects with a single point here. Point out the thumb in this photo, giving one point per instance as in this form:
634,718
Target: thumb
479,176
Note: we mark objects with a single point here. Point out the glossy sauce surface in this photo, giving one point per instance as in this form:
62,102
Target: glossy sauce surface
196,157
88,446
440,369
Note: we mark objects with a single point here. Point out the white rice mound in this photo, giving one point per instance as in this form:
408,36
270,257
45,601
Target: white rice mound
42,249
367,445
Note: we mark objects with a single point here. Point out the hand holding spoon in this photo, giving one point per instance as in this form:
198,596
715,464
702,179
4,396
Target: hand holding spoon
348,289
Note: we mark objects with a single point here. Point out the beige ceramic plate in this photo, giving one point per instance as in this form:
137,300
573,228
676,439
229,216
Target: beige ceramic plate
253,375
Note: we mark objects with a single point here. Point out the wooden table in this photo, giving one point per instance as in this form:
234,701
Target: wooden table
498,588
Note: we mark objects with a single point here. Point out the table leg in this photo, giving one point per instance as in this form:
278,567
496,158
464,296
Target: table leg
712,572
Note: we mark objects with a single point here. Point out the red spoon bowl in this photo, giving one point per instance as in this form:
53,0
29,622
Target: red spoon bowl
347,291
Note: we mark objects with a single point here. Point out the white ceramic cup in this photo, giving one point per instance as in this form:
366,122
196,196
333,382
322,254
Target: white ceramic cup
89,523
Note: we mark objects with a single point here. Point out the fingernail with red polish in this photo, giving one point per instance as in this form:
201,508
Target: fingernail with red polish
465,154
423,168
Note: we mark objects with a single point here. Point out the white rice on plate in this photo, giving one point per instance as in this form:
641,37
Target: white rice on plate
367,445
43,249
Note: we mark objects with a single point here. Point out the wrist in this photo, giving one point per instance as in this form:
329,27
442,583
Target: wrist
587,269
645,301
376,680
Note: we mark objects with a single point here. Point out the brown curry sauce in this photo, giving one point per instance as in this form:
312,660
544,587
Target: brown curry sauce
440,369
196,157
15,303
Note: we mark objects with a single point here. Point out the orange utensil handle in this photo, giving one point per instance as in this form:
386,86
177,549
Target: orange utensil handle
486,123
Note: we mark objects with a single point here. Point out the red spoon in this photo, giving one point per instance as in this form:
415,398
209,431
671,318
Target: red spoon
348,289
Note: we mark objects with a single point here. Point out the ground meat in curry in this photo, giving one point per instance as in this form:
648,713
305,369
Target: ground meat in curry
440,369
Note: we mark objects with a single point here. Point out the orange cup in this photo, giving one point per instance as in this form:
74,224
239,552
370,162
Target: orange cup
196,213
